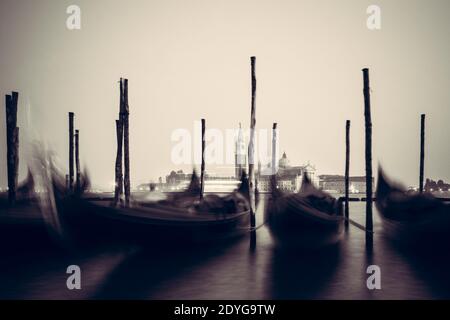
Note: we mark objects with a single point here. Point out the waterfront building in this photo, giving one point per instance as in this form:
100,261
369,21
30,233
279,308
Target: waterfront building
289,178
336,183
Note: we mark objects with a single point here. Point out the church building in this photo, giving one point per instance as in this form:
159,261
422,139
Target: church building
289,178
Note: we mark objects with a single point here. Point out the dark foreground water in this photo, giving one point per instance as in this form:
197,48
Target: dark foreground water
32,268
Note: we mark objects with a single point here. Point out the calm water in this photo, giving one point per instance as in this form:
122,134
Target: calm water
32,271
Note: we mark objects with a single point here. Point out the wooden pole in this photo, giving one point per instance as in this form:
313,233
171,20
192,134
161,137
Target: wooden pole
126,143
118,191
274,149
422,152
347,169
71,151
67,182
202,173
368,127
12,145
251,146
119,175
77,160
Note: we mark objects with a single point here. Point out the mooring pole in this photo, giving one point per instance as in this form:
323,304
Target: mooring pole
12,145
71,151
202,173
274,149
67,183
77,160
368,133
118,172
422,152
347,170
251,146
118,190
126,142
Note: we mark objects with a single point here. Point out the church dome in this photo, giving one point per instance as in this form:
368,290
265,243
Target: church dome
284,162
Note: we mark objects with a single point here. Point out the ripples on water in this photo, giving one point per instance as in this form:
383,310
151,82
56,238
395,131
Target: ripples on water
33,268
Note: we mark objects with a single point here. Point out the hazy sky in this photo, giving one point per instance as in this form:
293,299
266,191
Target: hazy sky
190,59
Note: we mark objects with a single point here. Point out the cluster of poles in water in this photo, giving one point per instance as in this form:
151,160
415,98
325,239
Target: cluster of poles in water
122,164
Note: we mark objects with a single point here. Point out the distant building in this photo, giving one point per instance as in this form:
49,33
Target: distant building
178,180
175,178
289,178
151,186
143,187
336,183
433,186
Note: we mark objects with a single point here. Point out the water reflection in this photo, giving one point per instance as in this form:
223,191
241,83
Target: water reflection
429,263
33,267
302,275
142,275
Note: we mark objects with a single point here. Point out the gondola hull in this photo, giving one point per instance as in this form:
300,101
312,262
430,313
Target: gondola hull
295,224
434,231
430,227
412,219
155,225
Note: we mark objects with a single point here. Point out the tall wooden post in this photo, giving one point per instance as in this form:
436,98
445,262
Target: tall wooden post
118,190
347,169
67,182
126,143
251,146
422,152
202,173
119,176
274,149
12,145
71,151
368,126
77,160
